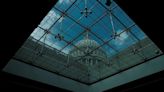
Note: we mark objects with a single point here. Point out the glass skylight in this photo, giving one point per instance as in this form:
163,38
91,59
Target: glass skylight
65,18
117,42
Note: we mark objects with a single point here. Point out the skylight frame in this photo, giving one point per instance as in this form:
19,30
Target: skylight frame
104,43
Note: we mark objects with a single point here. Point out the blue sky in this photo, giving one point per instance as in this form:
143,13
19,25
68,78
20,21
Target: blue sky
103,28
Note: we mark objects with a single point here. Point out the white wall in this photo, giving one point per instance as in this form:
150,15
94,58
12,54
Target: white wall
31,72
140,71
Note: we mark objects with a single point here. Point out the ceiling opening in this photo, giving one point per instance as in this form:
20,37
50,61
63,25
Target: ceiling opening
87,41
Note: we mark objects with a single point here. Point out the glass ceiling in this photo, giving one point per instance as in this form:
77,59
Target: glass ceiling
65,25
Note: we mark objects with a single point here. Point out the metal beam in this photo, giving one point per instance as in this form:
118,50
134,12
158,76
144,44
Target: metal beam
76,23
121,23
117,18
55,22
80,24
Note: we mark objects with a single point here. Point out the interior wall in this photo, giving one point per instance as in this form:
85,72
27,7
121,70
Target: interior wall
31,72
135,73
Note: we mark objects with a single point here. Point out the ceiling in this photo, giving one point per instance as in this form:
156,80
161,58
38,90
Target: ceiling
140,22
64,25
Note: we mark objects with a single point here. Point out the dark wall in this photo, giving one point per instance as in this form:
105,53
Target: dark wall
147,14
18,19
15,83
152,83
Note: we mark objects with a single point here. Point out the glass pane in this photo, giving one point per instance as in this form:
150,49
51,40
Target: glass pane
88,38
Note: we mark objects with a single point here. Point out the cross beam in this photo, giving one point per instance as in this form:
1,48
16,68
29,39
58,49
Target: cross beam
77,22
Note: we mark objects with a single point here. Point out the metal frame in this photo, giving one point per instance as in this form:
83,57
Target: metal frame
98,19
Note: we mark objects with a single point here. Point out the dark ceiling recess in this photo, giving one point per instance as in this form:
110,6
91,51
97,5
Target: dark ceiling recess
20,17
147,14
